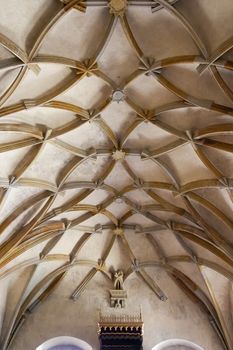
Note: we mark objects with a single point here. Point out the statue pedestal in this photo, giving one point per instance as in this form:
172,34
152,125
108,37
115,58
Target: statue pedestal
117,298
120,331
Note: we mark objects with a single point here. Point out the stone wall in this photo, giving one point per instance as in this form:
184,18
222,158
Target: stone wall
178,317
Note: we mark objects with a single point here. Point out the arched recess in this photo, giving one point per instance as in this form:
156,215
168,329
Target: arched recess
177,344
64,343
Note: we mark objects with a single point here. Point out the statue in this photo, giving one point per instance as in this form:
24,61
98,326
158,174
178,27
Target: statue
118,280
118,295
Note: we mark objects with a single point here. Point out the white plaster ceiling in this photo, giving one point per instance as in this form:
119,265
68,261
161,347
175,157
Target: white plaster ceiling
146,181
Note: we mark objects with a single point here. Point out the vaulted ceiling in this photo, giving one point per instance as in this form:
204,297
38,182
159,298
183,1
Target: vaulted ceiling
116,146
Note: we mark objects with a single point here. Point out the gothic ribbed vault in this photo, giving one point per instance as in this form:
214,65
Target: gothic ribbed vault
116,150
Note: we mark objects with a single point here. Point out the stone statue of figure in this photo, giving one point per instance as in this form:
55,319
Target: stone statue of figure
118,280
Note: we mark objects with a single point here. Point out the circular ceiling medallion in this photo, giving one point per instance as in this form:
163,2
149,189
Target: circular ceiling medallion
118,155
118,96
118,7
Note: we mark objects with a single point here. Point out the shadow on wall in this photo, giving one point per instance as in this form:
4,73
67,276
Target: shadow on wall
177,344
64,343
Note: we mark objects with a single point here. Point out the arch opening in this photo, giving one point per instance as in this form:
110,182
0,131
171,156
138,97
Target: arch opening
177,344
64,343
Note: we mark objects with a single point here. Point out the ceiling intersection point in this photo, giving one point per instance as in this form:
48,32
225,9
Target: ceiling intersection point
191,140
118,7
145,155
99,208
189,134
57,211
47,133
224,181
92,153
170,225
98,228
67,223
147,115
78,4
151,72
101,264
99,183
91,66
136,207
118,95
81,118
43,128
143,66
147,66
157,6
156,72
164,260
29,103
186,246
118,155
80,72
35,68
119,231
12,179
94,114
148,61
119,200
198,142
138,228
139,183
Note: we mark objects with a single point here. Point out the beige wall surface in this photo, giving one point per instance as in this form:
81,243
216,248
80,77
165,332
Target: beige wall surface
176,318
